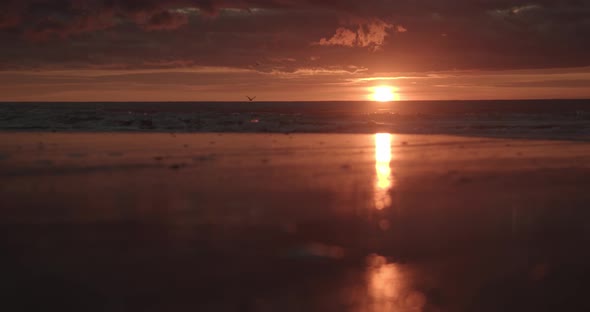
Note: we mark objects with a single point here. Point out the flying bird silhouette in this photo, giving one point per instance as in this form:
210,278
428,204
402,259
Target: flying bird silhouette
251,98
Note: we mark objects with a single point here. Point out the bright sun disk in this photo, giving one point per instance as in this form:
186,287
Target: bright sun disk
384,94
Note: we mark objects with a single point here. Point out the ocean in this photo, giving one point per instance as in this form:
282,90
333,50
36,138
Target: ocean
563,119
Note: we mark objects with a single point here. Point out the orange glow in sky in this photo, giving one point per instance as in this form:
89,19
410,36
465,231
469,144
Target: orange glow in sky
230,84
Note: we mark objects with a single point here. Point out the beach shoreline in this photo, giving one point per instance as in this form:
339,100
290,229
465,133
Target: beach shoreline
223,222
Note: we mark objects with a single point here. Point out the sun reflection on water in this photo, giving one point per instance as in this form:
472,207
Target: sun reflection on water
384,179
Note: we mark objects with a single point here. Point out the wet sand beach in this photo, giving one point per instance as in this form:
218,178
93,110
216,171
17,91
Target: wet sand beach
301,222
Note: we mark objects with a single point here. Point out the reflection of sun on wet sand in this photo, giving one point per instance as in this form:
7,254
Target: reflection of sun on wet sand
384,180
275,222
389,287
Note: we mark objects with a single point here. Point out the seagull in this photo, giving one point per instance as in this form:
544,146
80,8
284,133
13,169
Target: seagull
251,98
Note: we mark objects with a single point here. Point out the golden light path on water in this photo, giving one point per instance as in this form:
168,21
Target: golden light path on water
384,180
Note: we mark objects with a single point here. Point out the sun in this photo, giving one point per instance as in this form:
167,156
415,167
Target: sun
384,94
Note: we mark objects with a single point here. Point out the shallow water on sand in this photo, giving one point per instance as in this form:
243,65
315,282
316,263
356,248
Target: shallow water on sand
307,222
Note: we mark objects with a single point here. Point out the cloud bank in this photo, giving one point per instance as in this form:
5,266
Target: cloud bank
410,35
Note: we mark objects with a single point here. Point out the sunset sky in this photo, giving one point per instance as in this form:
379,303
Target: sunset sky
202,50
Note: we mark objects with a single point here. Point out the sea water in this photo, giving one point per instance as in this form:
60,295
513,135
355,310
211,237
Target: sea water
569,119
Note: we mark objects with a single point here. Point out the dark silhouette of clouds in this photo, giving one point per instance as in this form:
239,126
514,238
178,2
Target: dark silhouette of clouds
166,21
402,35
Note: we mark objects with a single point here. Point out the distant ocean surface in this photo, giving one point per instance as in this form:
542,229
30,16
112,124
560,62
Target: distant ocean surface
567,119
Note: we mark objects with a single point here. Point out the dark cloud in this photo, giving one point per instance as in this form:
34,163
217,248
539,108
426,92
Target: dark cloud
166,21
9,21
9,14
387,35
51,28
